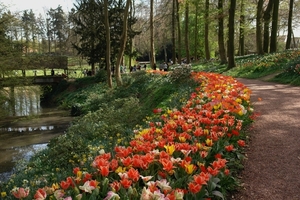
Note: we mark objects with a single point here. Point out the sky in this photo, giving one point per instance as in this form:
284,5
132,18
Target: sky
37,6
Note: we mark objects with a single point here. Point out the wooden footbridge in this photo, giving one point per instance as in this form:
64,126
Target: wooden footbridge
42,80
37,80
24,70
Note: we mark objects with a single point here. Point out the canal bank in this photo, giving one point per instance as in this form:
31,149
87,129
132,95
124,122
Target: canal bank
22,137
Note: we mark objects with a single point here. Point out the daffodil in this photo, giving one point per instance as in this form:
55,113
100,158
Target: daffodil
3,194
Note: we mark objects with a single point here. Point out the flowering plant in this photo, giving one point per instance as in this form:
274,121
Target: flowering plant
182,153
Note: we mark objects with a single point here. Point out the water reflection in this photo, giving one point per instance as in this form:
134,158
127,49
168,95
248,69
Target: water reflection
25,129
16,155
28,151
22,101
22,136
17,143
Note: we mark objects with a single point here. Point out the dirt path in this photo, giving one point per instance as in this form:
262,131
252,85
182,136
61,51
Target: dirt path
272,168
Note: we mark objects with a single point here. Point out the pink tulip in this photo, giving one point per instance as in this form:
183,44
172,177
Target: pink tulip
40,194
20,193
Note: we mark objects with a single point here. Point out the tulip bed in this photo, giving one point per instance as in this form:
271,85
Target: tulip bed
188,153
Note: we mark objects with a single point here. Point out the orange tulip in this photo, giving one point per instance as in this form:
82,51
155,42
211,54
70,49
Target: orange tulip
40,194
194,187
126,183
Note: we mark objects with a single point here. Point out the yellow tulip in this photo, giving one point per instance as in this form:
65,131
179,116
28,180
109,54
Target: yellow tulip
238,100
79,174
209,142
120,169
182,139
55,186
170,149
206,131
189,168
199,146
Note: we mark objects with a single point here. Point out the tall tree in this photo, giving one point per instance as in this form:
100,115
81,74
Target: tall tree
242,30
59,24
267,20
273,42
90,30
174,31
26,29
107,31
187,46
89,24
231,22
11,51
33,29
178,32
259,41
290,29
41,33
221,43
123,44
152,50
196,30
206,30
131,39
49,33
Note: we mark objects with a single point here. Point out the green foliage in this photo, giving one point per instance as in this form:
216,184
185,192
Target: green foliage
108,119
101,76
291,73
88,19
180,74
260,66
282,64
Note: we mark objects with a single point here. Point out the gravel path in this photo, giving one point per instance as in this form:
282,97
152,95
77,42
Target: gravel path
272,168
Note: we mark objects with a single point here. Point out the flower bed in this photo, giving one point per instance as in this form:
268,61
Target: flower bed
191,153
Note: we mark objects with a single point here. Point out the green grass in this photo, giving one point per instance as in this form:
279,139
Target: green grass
106,113
285,64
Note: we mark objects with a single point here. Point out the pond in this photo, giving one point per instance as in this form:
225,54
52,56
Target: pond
27,127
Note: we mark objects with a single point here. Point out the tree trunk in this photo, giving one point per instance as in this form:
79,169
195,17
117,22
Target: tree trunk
178,33
221,43
165,53
173,31
259,45
267,18
206,31
152,50
294,41
242,31
290,30
107,31
130,55
196,31
187,46
123,44
131,41
273,42
231,61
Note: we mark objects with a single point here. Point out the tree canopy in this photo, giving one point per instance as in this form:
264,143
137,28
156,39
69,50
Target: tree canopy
176,27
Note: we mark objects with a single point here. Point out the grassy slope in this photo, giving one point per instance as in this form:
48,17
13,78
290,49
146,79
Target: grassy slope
283,67
127,106
105,113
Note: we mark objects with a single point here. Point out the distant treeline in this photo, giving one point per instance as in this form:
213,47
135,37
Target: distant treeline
39,61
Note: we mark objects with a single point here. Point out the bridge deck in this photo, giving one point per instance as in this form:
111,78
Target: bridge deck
39,80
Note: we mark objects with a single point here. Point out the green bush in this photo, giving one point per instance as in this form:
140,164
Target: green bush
107,118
